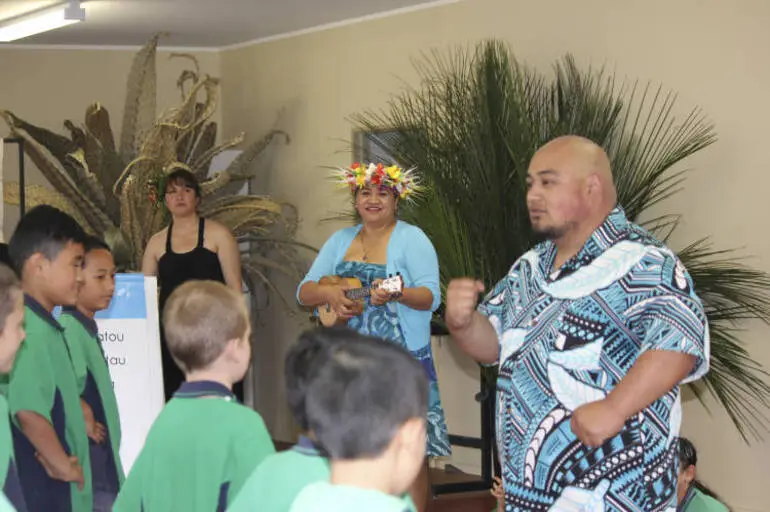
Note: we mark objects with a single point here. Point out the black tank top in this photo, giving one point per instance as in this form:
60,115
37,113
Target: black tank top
175,269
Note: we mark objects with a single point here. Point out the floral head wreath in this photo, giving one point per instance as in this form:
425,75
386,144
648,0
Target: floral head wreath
156,187
404,183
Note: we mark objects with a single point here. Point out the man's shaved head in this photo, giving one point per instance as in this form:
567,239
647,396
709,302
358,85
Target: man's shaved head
570,187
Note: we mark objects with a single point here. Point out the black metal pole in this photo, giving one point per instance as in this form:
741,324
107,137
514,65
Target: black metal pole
22,180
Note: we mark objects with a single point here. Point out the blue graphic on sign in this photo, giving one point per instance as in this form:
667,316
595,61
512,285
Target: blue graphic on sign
128,302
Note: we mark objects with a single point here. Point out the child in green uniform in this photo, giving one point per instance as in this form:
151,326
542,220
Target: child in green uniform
98,401
204,444
692,495
50,441
366,405
279,479
11,336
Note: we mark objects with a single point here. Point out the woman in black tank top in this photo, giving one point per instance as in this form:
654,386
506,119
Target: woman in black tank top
175,267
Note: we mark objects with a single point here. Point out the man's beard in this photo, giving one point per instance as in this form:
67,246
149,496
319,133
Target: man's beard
550,232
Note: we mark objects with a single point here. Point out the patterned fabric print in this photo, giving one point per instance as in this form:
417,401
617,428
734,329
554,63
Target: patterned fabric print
567,339
382,321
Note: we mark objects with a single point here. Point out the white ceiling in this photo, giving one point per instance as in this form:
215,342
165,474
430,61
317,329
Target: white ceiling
200,23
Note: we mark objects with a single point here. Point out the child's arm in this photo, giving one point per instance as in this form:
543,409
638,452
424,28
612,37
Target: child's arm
51,455
94,429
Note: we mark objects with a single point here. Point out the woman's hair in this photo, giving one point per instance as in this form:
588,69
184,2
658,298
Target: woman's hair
184,178
688,456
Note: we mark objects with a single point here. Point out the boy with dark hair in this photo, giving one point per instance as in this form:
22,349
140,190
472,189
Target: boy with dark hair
366,406
11,336
49,431
100,407
204,444
276,482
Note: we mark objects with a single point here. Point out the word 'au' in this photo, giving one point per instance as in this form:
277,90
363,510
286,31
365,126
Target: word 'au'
115,360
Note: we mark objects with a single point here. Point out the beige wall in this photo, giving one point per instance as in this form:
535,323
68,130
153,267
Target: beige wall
45,87
712,52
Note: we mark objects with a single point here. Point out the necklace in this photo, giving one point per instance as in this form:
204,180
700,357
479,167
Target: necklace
365,258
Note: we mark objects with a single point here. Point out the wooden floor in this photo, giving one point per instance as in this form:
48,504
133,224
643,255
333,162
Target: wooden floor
477,501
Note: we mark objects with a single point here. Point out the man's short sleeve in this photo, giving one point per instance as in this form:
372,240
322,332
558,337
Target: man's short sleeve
673,319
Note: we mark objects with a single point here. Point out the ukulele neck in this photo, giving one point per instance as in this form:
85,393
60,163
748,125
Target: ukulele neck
358,293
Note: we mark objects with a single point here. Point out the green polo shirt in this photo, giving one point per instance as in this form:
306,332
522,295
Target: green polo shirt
198,453
327,497
9,475
696,501
95,386
276,483
5,505
43,381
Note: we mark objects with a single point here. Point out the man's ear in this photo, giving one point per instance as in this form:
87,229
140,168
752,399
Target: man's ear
594,185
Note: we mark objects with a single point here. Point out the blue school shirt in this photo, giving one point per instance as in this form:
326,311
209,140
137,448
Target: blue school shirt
411,254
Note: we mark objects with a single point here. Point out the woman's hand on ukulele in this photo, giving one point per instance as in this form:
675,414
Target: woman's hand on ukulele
338,301
378,296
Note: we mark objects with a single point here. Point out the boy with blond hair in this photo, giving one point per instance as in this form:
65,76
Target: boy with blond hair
11,336
204,444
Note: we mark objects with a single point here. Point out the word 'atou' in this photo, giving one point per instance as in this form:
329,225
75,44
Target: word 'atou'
112,337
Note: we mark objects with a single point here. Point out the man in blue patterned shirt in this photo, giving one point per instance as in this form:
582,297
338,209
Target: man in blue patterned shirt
594,330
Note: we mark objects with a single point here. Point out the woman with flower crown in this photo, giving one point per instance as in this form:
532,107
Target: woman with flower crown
379,247
190,248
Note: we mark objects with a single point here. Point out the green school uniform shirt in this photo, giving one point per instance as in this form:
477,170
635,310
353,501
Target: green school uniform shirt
88,360
276,483
6,441
696,501
327,497
198,453
43,381
5,505
9,475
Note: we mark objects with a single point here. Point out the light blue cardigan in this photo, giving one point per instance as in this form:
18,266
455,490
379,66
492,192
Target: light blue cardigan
411,253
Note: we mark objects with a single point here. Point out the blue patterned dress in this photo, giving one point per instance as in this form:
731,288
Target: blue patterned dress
382,321
568,338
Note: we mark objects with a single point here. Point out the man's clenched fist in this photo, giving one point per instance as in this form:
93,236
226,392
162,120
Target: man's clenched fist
462,296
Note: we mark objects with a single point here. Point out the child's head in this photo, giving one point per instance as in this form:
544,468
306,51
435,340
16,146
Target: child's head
99,270
11,318
305,356
207,327
47,251
369,400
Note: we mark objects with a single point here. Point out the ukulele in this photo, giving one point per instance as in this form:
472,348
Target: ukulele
357,293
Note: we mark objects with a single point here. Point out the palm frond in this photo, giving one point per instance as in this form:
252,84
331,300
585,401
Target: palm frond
140,106
472,124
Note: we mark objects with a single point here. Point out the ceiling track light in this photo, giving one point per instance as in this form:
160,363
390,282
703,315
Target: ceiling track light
42,20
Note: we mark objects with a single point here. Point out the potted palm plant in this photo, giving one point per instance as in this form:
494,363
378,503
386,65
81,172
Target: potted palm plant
471,126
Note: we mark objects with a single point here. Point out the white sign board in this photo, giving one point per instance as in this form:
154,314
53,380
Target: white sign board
130,336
